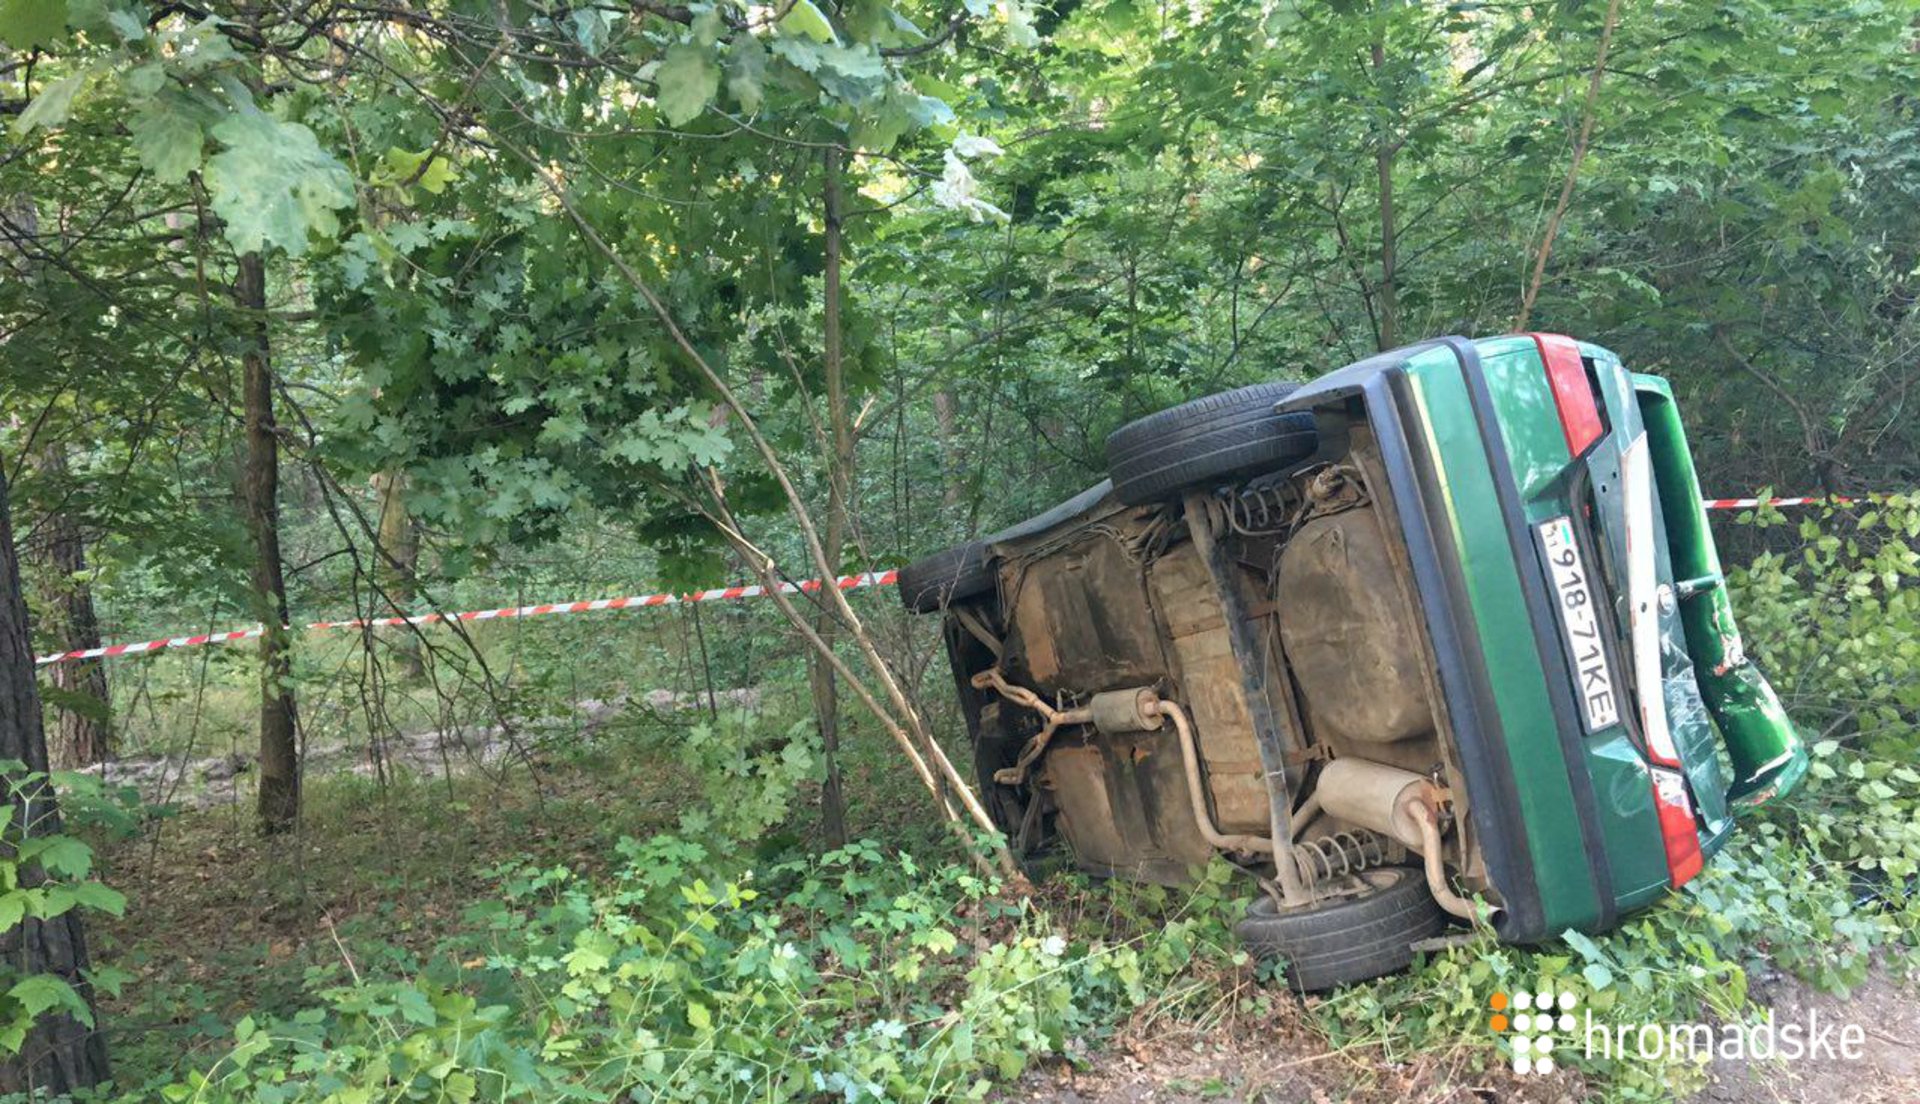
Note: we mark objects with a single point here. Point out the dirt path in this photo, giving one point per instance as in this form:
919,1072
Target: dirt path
1277,1064
1287,1062
1886,1072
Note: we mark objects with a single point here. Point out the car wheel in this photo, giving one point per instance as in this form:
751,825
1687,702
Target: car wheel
1343,940
938,581
1234,433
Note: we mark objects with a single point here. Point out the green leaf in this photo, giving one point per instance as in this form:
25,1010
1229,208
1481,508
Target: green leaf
60,855
688,80
415,1008
438,175
593,952
27,24
1583,943
168,142
144,81
50,900
746,73
698,1016
108,979
38,993
403,166
803,18
203,46
273,184
102,898
54,103
13,908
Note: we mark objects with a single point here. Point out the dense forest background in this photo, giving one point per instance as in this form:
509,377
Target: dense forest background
318,310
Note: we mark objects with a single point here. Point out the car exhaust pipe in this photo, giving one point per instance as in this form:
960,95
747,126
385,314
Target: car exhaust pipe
1435,861
1398,804
1139,709
1197,788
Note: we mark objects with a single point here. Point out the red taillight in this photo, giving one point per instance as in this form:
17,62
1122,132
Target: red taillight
1579,415
1677,828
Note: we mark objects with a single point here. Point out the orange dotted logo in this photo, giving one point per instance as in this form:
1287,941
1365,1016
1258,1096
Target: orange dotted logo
1534,1017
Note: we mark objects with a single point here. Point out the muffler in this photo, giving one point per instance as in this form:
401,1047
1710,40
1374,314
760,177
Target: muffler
1398,804
1374,795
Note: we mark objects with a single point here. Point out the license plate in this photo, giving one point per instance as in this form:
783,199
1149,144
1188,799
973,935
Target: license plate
1573,593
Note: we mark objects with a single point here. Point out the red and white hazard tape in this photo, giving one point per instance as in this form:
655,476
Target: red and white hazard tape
1755,503
844,582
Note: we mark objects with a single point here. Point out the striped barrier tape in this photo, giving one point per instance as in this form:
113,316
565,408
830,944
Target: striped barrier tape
1755,503
844,582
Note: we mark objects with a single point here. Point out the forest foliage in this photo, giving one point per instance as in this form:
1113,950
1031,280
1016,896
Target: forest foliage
452,300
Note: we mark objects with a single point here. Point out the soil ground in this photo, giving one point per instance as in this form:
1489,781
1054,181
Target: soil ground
1289,1062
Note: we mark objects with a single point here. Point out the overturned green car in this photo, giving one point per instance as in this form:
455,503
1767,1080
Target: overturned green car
1446,623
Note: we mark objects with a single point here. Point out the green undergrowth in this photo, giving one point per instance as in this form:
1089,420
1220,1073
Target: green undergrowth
654,920
693,969
1783,897
689,972
1820,886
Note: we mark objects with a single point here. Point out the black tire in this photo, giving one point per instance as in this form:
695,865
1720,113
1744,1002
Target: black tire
1234,433
1347,939
944,578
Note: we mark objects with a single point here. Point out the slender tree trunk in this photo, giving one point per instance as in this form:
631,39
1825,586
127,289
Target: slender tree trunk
826,692
82,734
1389,258
279,798
60,1054
898,718
946,419
400,541
1532,292
81,729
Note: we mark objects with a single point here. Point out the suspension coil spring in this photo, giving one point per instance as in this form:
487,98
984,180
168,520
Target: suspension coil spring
1258,511
1329,857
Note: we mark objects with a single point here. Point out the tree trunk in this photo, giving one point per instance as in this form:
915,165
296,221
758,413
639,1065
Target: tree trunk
81,730
826,695
946,419
1389,254
399,565
60,1054
1532,293
82,735
279,798
897,718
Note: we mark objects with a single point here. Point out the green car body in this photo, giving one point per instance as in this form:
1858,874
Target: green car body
1484,457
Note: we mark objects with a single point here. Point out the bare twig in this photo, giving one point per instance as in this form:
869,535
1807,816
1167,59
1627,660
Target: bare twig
1573,169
